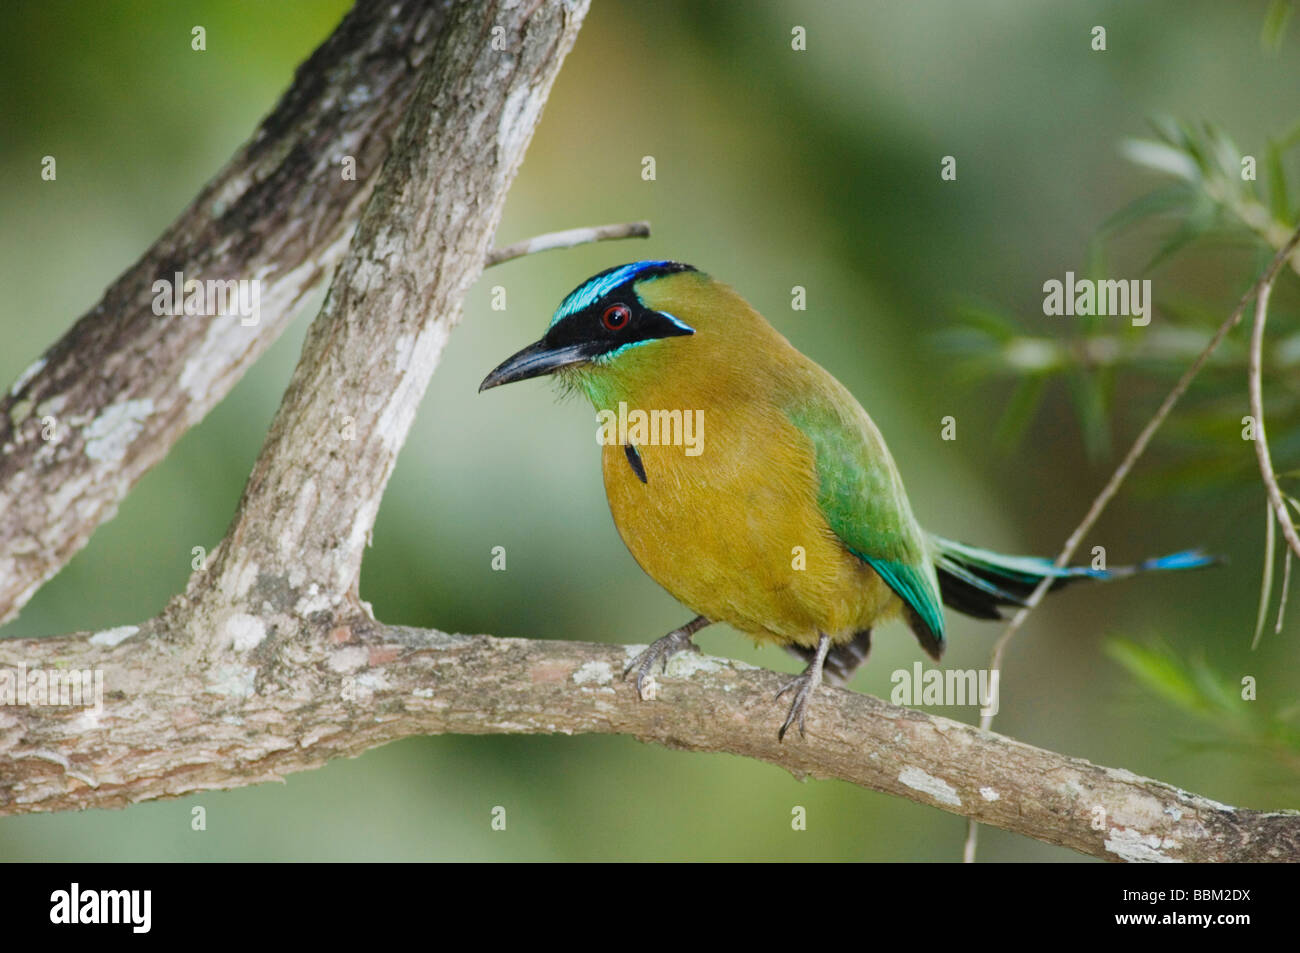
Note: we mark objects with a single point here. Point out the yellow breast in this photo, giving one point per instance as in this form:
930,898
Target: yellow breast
736,535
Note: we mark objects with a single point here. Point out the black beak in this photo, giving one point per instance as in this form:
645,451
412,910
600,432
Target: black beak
535,361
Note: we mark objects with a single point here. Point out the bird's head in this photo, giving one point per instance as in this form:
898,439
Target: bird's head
603,321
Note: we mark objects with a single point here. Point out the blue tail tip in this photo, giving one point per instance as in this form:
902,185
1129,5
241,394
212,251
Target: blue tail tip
1187,559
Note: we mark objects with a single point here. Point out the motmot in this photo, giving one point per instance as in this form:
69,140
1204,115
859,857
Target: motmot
789,463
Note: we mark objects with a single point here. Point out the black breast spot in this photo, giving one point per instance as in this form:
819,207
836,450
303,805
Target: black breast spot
634,461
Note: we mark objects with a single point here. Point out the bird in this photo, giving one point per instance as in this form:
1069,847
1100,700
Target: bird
787,519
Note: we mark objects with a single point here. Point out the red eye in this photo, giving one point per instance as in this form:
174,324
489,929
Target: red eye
616,317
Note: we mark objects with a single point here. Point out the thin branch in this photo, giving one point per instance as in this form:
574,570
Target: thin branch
567,239
1266,577
1286,589
243,716
1122,471
1255,378
310,503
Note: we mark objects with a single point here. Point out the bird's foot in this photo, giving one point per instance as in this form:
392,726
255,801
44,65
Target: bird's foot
662,650
803,687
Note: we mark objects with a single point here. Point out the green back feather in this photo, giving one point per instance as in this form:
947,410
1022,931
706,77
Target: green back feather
862,497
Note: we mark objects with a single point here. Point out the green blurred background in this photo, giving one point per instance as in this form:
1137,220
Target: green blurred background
775,169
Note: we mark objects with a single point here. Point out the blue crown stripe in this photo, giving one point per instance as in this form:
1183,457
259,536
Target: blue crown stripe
596,288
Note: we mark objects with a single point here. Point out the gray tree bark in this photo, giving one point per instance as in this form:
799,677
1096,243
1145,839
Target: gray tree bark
179,719
281,210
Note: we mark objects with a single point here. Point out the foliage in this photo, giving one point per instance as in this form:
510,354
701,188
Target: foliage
1206,202
1216,197
1214,700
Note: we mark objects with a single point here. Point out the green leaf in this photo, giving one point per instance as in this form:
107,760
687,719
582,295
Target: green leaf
1278,204
1290,138
1089,395
1161,157
1171,131
1216,692
996,324
1198,223
1162,201
1224,153
1034,356
1275,22
1266,584
1020,410
1158,671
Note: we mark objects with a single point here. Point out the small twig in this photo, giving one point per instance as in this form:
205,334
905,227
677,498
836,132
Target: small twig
1255,377
1265,281
1286,588
1266,577
567,239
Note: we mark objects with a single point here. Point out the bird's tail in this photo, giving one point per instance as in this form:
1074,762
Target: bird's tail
979,581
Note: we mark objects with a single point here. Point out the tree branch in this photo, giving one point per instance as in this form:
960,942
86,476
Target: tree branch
310,503
1255,386
294,703
124,383
568,239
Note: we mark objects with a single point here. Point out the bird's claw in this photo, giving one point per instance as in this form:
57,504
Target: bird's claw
660,650
804,686
798,707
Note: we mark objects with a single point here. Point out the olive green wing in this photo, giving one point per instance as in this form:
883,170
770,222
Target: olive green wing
861,495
